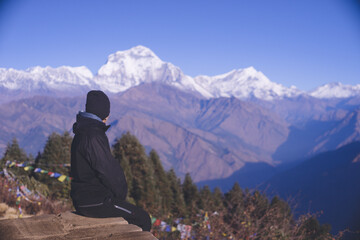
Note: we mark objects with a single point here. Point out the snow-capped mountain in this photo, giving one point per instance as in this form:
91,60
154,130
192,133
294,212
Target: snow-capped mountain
126,69
48,78
245,83
336,90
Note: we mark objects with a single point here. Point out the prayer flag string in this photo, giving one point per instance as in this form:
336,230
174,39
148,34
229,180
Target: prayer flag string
28,167
21,191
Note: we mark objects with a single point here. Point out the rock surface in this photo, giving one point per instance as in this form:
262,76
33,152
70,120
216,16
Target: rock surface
70,226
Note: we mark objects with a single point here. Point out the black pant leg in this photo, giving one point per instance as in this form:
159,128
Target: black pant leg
133,214
117,208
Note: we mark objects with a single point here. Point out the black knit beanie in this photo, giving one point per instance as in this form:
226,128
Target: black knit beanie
97,103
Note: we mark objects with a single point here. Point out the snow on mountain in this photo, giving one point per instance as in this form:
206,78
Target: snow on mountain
336,90
126,69
38,78
245,83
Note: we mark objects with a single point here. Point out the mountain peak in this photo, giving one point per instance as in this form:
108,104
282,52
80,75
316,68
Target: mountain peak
129,68
131,61
81,71
135,52
141,51
250,70
336,90
44,79
245,83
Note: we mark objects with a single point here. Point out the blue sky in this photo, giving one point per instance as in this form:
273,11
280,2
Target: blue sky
304,43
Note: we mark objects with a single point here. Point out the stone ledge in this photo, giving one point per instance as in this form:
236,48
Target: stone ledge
70,226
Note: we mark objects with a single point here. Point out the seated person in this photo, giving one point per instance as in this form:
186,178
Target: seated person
98,186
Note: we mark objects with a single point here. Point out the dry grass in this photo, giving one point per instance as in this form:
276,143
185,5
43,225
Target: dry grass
7,212
8,207
3,208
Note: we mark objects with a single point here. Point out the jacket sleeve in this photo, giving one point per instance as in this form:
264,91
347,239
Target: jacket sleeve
108,169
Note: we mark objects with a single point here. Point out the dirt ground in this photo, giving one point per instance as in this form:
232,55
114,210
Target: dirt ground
67,225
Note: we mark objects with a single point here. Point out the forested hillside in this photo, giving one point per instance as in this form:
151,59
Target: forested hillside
179,209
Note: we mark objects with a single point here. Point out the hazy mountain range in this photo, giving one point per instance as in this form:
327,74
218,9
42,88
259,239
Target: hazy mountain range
208,126
325,184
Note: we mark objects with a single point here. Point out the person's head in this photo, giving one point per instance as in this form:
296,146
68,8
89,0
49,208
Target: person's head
98,103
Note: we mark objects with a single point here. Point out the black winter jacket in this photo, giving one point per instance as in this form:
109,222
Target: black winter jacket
96,175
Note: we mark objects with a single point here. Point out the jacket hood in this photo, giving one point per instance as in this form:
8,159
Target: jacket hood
84,123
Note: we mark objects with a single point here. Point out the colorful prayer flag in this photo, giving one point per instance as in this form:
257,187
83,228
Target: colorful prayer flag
62,178
18,201
157,222
179,227
163,225
56,175
206,217
20,210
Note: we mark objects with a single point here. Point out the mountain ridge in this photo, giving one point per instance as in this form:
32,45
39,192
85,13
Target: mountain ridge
325,184
130,68
168,122
209,138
